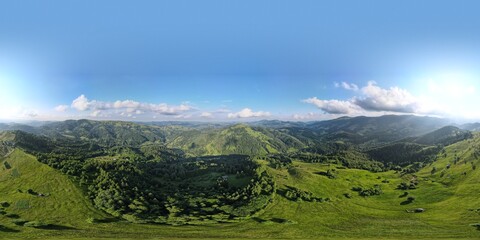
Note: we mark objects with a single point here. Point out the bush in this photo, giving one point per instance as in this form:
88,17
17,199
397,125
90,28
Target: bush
19,222
407,186
375,190
4,204
331,173
408,201
296,194
30,191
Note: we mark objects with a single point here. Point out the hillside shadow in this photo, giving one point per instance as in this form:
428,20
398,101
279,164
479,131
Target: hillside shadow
259,220
272,220
7,229
56,227
403,195
279,220
107,220
406,202
322,173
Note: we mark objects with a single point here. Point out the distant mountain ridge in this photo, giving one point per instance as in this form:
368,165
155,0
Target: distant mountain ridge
252,138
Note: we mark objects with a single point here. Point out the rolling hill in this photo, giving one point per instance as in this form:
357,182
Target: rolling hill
236,139
447,196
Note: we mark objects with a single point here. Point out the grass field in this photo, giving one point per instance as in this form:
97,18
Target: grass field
450,197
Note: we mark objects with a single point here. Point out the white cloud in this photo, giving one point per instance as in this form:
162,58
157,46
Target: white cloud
96,113
206,115
393,99
333,106
248,113
374,99
61,108
126,104
347,86
128,107
307,116
31,113
81,103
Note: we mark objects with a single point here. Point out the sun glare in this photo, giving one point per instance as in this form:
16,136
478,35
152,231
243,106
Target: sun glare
452,93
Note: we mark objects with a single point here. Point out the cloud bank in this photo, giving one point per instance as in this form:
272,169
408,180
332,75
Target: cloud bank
125,107
372,98
333,106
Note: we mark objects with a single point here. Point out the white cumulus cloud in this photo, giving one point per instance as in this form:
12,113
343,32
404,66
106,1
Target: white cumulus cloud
248,113
81,103
333,106
393,99
347,86
61,108
127,107
374,99
206,115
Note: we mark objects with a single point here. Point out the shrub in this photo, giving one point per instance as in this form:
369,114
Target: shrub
331,173
19,222
375,190
408,201
406,186
30,191
296,194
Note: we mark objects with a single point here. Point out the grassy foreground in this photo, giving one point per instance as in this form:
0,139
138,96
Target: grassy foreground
450,197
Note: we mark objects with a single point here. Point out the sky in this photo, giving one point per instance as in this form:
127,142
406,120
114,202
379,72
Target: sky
238,60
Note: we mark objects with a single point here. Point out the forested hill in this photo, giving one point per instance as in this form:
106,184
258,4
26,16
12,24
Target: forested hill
213,173
377,130
236,139
255,138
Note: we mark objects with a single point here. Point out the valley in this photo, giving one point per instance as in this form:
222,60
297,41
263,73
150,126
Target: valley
390,177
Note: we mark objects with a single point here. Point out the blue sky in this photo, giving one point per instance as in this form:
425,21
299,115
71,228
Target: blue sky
237,60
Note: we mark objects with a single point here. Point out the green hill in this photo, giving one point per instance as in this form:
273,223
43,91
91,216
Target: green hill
373,131
62,187
448,197
236,139
444,136
107,133
34,192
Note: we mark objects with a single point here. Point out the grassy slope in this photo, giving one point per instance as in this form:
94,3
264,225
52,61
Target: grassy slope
446,197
